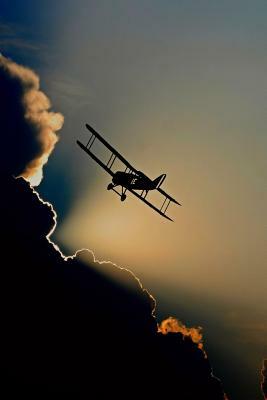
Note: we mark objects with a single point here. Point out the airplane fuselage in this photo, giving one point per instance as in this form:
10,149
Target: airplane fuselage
132,181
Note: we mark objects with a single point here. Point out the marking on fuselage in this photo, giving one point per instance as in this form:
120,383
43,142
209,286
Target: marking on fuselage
133,181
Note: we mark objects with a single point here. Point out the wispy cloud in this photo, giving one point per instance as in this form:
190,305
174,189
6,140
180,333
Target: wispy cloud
68,90
67,86
12,37
17,43
5,29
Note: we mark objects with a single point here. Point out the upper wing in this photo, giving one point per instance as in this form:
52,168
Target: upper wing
86,149
108,146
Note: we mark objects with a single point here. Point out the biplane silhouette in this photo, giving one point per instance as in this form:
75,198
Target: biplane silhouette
130,179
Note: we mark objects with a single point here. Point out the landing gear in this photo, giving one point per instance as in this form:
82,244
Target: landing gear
123,197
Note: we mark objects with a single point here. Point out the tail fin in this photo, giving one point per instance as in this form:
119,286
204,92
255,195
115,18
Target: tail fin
159,181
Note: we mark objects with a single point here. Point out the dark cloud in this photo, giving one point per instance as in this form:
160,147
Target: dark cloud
264,379
28,128
75,326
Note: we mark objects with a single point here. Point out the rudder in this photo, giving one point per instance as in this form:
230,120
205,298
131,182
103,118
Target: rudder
159,181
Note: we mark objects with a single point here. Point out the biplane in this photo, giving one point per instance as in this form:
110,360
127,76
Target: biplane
130,179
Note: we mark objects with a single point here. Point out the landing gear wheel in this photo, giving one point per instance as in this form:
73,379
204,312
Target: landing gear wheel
110,186
123,197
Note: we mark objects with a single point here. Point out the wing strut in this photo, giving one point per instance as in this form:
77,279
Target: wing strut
90,141
111,160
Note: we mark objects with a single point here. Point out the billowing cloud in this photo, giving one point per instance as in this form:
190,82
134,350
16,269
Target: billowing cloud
28,127
174,325
264,379
73,325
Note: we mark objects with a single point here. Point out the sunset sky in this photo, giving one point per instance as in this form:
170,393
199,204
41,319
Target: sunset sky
178,87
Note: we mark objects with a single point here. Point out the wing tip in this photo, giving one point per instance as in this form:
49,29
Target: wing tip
90,128
166,216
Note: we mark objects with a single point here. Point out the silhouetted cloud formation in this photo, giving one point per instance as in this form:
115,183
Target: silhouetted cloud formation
74,326
264,379
28,128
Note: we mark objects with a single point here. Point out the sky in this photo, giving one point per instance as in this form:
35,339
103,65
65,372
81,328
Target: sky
178,88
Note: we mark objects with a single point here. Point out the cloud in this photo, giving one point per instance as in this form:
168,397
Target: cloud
6,30
28,127
12,37
264,379
22,44
174,325
74,325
